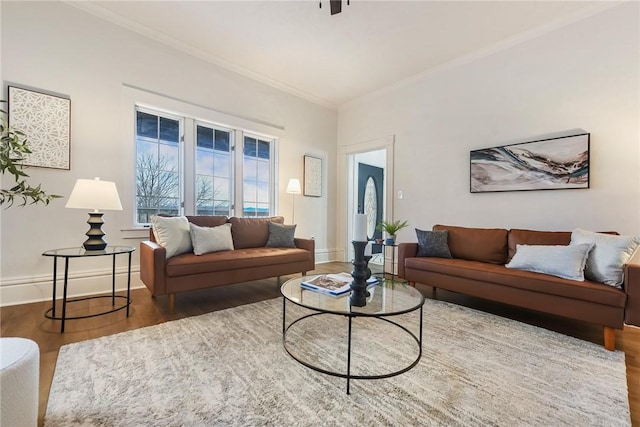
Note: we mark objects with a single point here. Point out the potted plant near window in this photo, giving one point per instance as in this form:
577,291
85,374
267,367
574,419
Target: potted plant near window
391,228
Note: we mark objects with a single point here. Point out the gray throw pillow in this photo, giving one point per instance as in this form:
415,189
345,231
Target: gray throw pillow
281,236
433,244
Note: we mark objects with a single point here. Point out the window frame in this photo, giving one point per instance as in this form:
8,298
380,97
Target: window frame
181,186
232,163
272,170
191,115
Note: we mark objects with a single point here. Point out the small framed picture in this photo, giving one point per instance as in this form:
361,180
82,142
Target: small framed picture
312,176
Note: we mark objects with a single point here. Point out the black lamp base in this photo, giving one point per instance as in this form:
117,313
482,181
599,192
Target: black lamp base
95,233
361,273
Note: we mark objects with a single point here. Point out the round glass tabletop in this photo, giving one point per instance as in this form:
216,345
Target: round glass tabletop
82,252
388,297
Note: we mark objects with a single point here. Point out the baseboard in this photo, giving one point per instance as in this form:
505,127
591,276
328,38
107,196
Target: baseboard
324,256
26,290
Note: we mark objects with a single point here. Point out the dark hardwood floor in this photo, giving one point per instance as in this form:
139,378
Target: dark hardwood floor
28,321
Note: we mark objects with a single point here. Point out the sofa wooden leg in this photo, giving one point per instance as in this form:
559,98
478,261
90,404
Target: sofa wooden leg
171,301
412,284
279,281
609,338
304,273
433,292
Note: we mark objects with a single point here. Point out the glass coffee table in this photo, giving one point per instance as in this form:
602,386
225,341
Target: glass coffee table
392,298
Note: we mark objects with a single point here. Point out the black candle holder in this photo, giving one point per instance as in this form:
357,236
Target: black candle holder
361,273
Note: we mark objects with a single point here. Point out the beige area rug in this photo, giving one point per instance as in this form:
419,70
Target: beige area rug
229,368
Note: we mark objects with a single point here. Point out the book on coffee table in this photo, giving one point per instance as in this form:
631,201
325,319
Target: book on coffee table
333,284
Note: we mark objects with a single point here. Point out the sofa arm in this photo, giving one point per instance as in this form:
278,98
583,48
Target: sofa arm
405,250
152,267
306,244
632,289
310,246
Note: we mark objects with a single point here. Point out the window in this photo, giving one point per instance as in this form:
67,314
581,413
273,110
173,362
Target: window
157,165
181,159
257,177
213,171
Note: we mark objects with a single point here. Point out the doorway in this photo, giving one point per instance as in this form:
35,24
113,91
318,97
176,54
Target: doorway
378,153
370,199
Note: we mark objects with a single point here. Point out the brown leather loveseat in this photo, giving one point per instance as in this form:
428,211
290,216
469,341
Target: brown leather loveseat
477,268
249,260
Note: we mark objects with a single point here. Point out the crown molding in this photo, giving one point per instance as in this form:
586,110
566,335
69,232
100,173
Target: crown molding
114,18
537,32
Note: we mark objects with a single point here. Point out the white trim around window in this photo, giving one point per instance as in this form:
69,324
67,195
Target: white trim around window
191,115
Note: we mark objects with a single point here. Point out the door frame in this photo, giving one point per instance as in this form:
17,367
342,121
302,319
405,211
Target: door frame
347,179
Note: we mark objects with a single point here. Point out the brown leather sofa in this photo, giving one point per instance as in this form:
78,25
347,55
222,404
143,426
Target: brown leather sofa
250,259
478,269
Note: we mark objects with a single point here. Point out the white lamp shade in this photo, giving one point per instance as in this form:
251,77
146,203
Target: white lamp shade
94,194
294,186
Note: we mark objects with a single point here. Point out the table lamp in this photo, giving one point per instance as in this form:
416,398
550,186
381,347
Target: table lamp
94,194
293,188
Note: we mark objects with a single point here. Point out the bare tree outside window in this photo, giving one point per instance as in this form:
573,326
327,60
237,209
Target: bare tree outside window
166,158
157,187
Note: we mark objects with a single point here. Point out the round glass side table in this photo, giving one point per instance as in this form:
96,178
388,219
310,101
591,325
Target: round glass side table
80,252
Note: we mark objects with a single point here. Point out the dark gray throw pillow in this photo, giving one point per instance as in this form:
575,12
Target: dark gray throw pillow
433,243
281,236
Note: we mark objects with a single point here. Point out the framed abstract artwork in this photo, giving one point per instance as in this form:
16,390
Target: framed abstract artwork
548,164
46,121
312,176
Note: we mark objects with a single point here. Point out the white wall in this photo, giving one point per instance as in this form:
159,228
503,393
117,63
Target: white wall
56,47
582,76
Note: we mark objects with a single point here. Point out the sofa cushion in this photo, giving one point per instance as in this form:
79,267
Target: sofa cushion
477,244
211,239
433,243
251,232
172,233
563,261
281,236
190,264
207,220
526,280
608,257
532,237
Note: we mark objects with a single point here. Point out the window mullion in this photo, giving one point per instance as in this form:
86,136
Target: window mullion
188,148
238,173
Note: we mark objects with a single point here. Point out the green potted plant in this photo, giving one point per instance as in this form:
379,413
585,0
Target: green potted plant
13,149
391,228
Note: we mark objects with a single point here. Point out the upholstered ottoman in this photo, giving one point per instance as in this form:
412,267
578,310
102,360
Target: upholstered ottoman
19,379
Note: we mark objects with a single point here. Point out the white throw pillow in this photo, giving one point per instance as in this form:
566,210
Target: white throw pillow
211,239
563,261
172,233
609,255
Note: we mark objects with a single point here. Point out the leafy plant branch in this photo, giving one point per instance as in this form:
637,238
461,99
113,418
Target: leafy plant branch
13,150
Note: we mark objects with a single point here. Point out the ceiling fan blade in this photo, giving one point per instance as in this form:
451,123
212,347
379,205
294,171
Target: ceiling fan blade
336,6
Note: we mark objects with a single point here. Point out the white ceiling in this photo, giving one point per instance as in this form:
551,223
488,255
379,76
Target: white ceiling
301,48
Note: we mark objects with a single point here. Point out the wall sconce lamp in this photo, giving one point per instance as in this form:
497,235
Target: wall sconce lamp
94,194
293,188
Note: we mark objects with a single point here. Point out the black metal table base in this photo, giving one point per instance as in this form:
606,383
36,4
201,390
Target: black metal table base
49,314
71,253
348,375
